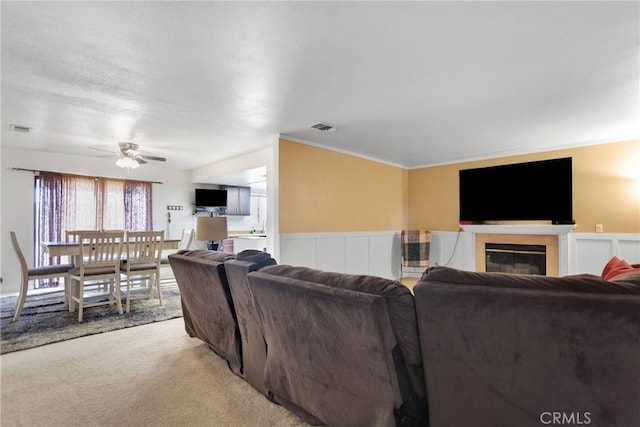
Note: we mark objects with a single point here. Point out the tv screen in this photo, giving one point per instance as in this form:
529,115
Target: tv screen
539,190
206,198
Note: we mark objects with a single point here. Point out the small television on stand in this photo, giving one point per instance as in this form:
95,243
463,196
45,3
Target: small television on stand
210,198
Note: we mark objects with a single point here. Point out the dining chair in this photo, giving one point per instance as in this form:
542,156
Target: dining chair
35,273
98,263
142,265
73,236
185,243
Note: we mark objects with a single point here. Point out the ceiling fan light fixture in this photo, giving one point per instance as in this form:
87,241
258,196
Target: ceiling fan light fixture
127,162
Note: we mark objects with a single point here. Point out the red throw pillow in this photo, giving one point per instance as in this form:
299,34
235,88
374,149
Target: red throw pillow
614,267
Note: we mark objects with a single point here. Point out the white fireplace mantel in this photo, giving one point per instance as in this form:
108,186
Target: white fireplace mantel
561,230
546,229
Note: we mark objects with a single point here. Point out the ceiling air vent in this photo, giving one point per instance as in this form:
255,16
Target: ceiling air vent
324,127
23,129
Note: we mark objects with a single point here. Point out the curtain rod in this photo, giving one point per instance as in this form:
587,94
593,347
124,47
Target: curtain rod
96,177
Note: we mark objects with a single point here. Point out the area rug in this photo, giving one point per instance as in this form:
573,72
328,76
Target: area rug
43,323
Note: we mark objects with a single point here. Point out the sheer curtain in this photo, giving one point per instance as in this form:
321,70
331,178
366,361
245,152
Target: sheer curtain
137,206
110,211
73,202
49,214
79,203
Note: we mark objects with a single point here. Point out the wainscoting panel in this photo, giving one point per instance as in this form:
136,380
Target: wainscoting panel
594,250
453,249
357,254
629,250
382,262
298,250
590,254
374,253
379,254
331,254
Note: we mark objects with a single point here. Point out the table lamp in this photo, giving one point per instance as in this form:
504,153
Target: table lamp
211,229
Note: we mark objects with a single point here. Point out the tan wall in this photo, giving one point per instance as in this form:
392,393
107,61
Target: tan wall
325,191
606,188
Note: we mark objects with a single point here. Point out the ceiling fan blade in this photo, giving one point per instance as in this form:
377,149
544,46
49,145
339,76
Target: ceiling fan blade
159,159
104,151
139,160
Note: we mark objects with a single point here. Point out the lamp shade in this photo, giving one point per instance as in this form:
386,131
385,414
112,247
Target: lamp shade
211,228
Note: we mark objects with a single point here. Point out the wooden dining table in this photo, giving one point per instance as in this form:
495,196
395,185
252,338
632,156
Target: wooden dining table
72,249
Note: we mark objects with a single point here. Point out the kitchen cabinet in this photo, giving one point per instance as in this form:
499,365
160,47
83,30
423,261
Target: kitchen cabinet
238,200
243,243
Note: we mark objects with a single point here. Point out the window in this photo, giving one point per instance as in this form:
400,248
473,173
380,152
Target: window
71,202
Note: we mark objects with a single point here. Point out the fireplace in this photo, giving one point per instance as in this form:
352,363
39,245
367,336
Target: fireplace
554,237
516,258
517,253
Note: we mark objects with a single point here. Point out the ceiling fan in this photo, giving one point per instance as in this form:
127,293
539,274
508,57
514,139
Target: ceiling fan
130,157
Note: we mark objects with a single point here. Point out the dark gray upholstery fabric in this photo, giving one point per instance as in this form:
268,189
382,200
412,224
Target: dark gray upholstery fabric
579,282
331,340
254,350
206,254
259,258
208,311
398,297
505,350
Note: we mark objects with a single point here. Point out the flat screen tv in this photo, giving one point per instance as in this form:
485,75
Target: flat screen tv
540,190
210,198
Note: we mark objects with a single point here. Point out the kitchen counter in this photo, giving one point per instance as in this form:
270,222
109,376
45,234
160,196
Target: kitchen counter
243,242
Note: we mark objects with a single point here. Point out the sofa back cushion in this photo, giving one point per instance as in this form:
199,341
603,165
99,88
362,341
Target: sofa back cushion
332,353
207,308
508,348
576,283
397,296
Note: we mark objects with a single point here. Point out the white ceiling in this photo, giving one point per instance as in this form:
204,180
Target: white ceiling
411,83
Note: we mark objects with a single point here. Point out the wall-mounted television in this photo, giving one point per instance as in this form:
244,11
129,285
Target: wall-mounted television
541,190
210,198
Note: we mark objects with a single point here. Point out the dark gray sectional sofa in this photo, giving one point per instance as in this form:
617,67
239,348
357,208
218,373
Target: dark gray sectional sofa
481,349
343,349
520,350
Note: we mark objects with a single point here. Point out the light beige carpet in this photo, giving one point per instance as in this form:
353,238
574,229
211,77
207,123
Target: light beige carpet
146,375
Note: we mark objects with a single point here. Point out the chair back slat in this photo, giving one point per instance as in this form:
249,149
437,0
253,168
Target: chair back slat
100,248
186,239
73,235
144,246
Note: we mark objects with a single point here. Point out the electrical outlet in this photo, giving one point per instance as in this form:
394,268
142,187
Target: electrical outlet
599,228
